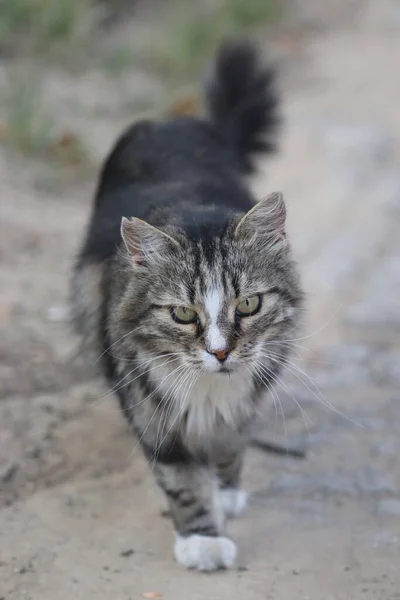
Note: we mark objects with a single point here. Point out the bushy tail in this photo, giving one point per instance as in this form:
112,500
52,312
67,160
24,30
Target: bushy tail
242,101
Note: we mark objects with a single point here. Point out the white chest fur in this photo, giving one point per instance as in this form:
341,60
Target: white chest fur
208,401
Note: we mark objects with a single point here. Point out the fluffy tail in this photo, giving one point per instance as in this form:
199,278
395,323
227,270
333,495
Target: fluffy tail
243,102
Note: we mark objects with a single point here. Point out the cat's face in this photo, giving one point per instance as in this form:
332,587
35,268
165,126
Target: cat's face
213,304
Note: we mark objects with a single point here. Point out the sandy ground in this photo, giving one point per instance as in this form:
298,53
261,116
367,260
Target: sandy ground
80,515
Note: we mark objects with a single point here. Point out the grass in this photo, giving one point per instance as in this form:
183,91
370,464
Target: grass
28,126
45,27
120,58
250,13
190,39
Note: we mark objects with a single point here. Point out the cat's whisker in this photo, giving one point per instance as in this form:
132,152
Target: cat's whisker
131,332
183,403
132,406
279,403
181,367
119,386
172,394
131,361
280,382
297,358
270,389
316,392
192,378
318,331
293,347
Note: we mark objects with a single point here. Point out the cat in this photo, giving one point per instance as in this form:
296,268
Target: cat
186,288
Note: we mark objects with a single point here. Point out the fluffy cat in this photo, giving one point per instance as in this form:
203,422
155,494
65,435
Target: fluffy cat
187,289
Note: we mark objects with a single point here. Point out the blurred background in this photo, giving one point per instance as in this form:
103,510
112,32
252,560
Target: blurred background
79,514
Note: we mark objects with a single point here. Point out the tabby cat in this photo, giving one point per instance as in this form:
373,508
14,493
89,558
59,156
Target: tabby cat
187,290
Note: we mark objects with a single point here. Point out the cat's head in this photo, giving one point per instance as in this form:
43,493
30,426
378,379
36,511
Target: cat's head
213,302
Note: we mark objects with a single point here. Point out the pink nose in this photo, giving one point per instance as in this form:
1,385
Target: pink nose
220,354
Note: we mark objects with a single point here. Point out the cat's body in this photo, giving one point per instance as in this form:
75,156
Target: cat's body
185,310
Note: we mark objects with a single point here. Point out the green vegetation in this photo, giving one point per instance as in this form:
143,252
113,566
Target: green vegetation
250,13
27,125
120,58
193,36
45,26
29,128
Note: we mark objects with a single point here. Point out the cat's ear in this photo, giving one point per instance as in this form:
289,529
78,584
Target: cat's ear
144,242
265,222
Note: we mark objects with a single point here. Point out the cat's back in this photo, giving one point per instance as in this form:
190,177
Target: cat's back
178,170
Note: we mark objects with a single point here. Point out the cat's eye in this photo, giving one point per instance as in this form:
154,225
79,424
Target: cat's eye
249,306
183,314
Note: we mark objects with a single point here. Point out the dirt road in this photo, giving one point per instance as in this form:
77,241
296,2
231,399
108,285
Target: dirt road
80,515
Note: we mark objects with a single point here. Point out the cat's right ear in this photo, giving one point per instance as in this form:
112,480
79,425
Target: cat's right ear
145,243
264,224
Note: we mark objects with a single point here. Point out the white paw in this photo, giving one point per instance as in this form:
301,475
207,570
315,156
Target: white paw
233,501
205,553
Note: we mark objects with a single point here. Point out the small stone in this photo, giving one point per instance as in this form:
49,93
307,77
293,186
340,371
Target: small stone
21,570
296,571
127,553
7,474
242,569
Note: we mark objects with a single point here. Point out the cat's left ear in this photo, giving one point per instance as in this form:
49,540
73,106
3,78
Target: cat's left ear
145,243
265,222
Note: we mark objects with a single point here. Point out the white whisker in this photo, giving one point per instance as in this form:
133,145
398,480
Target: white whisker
192,380
280,382
117,387
295,370
117,341
181,367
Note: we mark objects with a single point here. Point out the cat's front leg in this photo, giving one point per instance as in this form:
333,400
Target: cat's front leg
193,498
233,500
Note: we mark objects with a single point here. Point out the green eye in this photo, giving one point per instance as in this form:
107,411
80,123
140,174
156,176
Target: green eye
183,314
249,306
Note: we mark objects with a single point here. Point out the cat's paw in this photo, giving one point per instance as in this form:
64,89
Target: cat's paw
205,553
233,501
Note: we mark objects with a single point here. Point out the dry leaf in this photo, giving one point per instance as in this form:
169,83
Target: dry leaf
66,140
185,106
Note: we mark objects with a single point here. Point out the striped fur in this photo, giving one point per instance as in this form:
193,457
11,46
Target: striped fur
191,236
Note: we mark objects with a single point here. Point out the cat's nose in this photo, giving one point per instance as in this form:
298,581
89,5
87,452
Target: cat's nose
220,354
